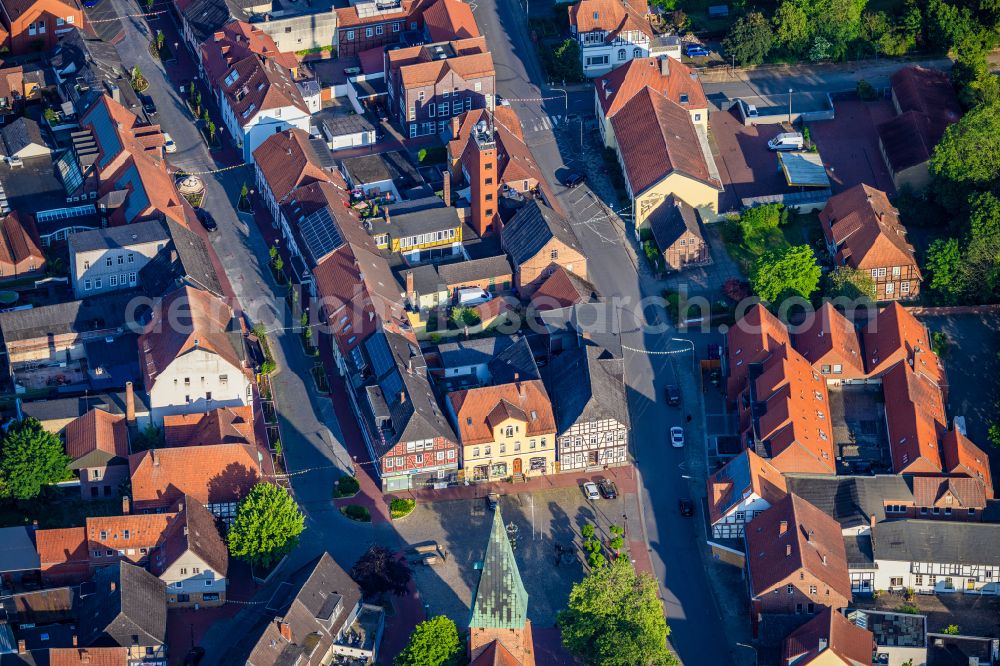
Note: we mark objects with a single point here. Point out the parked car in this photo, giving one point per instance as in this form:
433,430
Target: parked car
787,141
169,144
573,179
677,437
148,105
590,491
686,507
673,394
206,219
749,110
695,51
608,489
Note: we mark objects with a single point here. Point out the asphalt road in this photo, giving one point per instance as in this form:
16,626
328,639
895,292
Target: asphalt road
675,541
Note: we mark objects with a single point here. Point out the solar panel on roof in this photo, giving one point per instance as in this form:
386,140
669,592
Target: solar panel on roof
378,352
320,234
391,386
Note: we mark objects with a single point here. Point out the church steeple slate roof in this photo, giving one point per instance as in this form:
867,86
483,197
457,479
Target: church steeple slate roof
501,601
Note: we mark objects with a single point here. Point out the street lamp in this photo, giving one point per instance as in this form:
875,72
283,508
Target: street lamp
750,647
789,106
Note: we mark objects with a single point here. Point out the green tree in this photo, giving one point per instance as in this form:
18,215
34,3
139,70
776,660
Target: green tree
434,642
749,39
951,26
160,37
211,130
945,264
847,282
994,434
267,526
564,62
911,23
792,27
975,83
821,49
982,252
30,459
614,617
785,272
839,21
968,156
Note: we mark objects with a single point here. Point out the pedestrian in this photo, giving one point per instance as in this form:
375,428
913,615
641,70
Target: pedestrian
689,418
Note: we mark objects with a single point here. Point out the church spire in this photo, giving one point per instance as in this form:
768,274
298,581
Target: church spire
501,601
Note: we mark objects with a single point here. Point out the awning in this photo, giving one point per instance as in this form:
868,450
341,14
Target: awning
803,169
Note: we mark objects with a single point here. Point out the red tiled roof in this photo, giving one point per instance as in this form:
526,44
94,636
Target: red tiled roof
610,16
418,66
14,8
287,161
210,474
865,228
656,138
479,410
194,530
261,84
748,341
829,632
349,17
495,654
963,457
97,430
225,425
372,61
915,415
792,536
828,339
618,86
948,492
186,319
20,248
795,427
237,40
762,479
450,19
895,335
88,656
562,289
143,530
63,549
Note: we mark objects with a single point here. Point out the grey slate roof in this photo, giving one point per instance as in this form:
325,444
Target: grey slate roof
22,133
587,386
107,311
129,602
517,359
118,237
207,16
534,225
670,220
496,267
500,601
937,541
66,409
860,551
393,165
185,260
473,352
17,550
850,500
425,215
345,125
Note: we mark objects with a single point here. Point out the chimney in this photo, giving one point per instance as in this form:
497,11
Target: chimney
402,397
286,630
665,65
871,521
782,527
446,188
129,403
822,645
156,459
34,525
125,505
21,649
74,640
809,535
219,35
824,558
410,293
385,214
788,550
454,127
114,586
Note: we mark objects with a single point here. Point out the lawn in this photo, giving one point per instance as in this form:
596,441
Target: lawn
799,230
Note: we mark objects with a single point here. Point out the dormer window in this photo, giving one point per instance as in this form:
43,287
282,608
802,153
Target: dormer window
684,98
596,15
232,77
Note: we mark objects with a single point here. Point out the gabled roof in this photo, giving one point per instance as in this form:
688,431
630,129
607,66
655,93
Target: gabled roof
463,272
237,40
746,473
656,138
15,8
62,546
513,363
136,531
194,529
429,63
96,438
534,225
829,632
257,84
934,541
748,341
671,78
794,536
19,242
88,656
204,17
476,410
186,260
288,160
495,654
224,425
450,19
353,16
853,501
948,492
894,335
829,338
671,220
211,474
927,106
22,133
128,602
963,457
589,385
561,289
915,417
197,321
500,600
610,16
866,230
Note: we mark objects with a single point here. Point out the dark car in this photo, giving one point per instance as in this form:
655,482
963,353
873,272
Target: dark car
608,489
673,394
206,219
687,507
148,106
573,179
194,656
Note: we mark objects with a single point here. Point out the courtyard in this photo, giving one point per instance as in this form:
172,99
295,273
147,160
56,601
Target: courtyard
857,414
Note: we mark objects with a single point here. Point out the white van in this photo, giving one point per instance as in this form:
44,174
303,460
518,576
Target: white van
468,296
787,141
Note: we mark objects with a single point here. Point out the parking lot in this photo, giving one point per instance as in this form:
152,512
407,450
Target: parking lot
849,144
547,545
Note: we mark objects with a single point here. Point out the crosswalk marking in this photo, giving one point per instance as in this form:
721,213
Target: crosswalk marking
546,123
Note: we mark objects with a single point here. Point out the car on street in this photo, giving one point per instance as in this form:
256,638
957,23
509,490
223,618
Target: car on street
148,105
573,179
590,490
194,656
608,489
206,219
686,507
168,143
677,437
695,51
673,394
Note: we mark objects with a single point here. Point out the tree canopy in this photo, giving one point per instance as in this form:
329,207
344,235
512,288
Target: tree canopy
31,458
434,642
968,155
785,272
379,571
267,526
749,39
852,283
615,618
